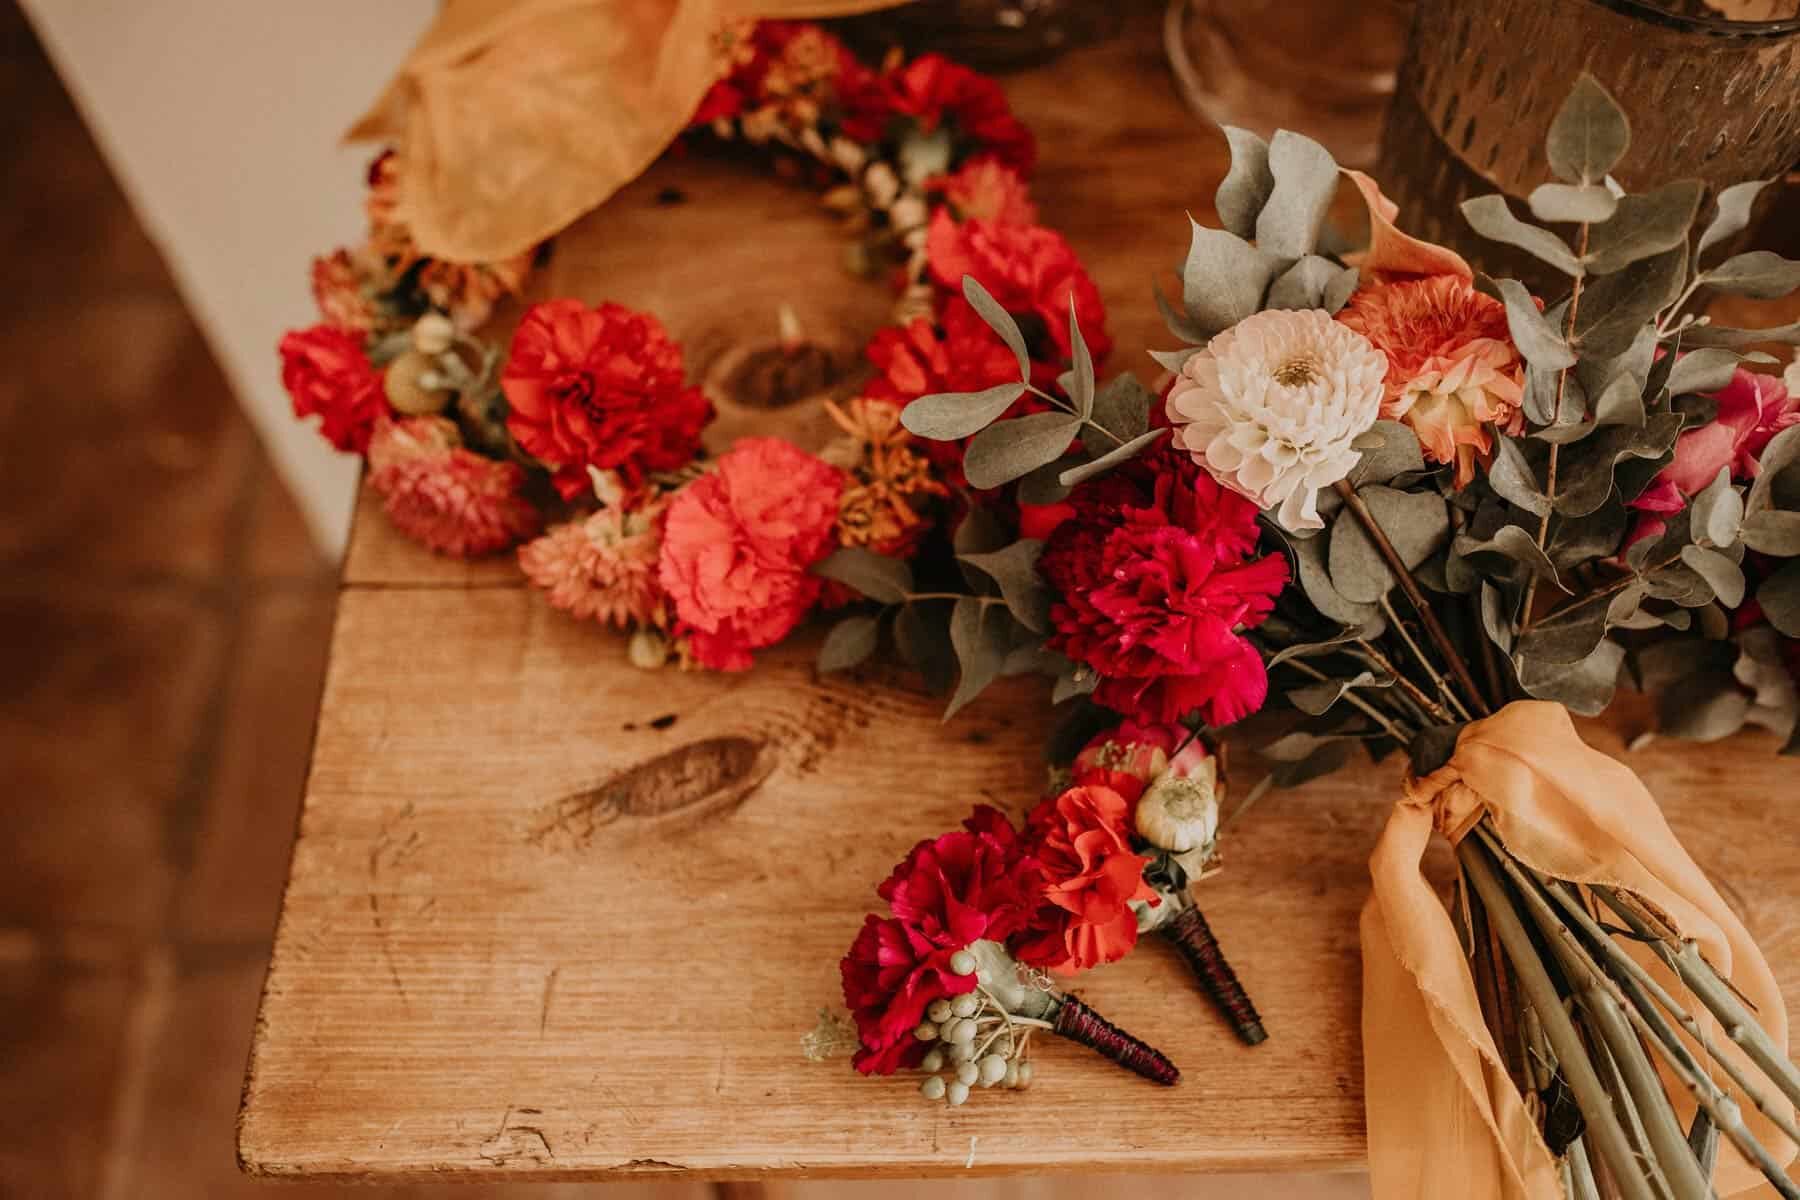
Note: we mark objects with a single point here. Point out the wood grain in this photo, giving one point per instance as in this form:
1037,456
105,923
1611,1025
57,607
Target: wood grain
553,918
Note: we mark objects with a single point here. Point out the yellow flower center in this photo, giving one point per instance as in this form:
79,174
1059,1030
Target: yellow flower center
1297,372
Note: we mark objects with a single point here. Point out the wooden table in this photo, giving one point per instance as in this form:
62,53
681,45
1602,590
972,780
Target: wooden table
551,917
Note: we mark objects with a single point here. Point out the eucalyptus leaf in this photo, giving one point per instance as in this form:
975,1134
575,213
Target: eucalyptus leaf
848,643
1510,545
1679,583
1512,477
1588,135
1759,274
922,635
1173,360
1339,290
1490,217
1586,475
1621,403
1223,280
1332,756
1416,523
1178,322
1715,335
1306,178
1597,372
1330,645
999,320
1078,680
1644,225
1303,284
1112,458
1496,618
1081,367
1564,638
1247,185
1718,511
1595,536
1782,452
1585,687
978,634
877,576
952,416
1779,596
1725,577
1394,451
1705,370
1542,346
1731,214
1771,531
1309,558
1614,307
1316,698
1014,569
1044,485
1006,450
1572,203
1703,707
1122,408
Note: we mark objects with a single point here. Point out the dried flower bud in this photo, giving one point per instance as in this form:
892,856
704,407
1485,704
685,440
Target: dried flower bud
647,650
908,212
433,333
1180,812
848,155
406,387
882,185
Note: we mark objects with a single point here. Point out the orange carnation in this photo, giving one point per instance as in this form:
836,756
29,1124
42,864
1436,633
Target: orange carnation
1452,367
1092,879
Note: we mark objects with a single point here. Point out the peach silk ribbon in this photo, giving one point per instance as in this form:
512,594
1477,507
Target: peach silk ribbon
1444,1117
515,118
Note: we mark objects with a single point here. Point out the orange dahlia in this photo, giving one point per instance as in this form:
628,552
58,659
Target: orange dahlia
1452,367
443,496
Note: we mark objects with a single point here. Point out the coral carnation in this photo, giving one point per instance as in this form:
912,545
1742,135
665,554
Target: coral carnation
988,190
891,975
600,387
447,498
737,544
1082,839
1452,368
327,374
602,567
935,91
1029,269
1155,585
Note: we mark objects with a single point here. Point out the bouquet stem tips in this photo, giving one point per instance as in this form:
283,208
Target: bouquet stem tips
1189,933
1079,1023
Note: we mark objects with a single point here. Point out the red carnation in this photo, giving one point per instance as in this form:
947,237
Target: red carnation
1029,269
959,887
600,387
933,90
891,975
1092,877
328,375
737,545
1155,585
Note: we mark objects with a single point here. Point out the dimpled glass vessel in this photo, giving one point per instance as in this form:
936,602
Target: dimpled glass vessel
1713,92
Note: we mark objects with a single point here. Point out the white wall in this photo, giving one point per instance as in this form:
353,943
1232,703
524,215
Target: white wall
221,119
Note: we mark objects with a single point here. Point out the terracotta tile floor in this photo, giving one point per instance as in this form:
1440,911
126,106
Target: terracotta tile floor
164,619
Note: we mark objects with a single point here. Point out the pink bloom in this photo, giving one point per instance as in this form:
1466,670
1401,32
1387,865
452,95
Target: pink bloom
737,545
447,498
989,191
1029,269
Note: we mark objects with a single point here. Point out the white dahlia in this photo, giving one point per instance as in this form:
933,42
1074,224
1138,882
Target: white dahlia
1271,406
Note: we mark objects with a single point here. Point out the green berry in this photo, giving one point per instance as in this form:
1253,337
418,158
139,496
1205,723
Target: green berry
932,1088
963,963
941,1011
993,1070
967,1074
1024,1074
962,1052
965,1006
962,1032
1011,1078
933,1060
957,1092
926,1032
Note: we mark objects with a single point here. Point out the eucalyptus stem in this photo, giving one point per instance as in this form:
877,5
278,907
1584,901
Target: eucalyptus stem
1577,1066
1704,982
1434,628
1562,382
1070,409
1444,689
1378,659
1581,1173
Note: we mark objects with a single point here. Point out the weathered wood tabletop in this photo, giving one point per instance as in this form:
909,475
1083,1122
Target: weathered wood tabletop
551,917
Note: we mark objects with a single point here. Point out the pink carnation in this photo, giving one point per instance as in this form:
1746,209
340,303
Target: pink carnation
602,567
737,544
447,498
